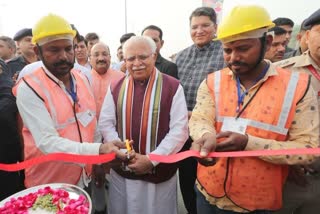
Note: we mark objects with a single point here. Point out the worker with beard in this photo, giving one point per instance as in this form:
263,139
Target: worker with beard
252,105
58,109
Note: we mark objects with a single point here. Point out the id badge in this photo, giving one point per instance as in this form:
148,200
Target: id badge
234,125
86,117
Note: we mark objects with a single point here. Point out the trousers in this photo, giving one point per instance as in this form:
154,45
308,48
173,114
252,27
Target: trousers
187,178
204,207
302,200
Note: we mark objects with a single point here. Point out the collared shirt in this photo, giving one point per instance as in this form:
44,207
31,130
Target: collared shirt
293,53
194,64
301,63
166,67
37,119
117,66
304,131
87,65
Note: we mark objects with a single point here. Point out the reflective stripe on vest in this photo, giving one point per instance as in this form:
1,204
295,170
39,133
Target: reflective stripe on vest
280,127
52,107
47,94
73,120
61,109
252,183
217,80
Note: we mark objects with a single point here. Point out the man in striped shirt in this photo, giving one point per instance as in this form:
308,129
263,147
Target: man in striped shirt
194,63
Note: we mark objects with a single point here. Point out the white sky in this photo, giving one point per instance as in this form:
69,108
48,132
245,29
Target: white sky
106,17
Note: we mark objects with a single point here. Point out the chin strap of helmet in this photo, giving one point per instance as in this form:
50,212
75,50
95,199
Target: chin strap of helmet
40,52
263,41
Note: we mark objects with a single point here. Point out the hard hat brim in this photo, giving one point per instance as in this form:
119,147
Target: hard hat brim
242,34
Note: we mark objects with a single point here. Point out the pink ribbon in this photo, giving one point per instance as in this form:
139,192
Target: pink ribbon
180,156
96,159
86,159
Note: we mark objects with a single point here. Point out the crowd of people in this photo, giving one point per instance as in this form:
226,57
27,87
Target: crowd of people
238,87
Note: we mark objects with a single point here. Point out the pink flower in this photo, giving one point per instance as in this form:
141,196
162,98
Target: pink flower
21,205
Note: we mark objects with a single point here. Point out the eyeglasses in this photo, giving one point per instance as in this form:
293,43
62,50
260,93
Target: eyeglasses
141,57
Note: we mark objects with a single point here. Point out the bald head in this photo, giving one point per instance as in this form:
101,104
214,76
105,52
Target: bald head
99,45
100,58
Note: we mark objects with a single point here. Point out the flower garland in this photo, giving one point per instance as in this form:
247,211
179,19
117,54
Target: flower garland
52,200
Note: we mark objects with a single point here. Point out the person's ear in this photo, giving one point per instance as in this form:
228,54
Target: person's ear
162,42
299,36
307,36
36,50
154,56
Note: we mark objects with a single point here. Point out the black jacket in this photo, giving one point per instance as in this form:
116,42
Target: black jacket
16,64
10,147
167,67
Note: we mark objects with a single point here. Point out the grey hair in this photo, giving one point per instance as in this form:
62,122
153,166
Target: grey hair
136,39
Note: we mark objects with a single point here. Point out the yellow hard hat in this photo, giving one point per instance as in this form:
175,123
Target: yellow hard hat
51,25
243,19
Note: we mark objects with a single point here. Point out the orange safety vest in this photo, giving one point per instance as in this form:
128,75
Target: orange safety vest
61,109
250,182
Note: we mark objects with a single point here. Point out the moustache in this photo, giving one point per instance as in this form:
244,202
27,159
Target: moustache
102,61
63,62
237,63
138,68
280,53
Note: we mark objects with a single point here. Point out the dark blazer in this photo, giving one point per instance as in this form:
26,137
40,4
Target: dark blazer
167,67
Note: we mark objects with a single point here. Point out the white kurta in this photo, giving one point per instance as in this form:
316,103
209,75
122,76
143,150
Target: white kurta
128,196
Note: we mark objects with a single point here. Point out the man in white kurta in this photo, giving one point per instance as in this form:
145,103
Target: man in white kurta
149,108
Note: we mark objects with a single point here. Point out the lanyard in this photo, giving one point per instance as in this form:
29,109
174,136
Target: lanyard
314,72
242,95
72,92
